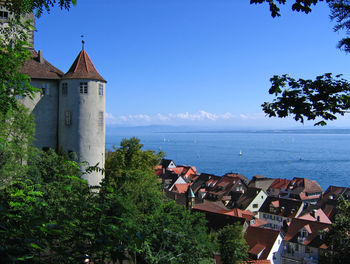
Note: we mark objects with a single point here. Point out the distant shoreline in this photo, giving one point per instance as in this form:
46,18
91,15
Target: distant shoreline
272,131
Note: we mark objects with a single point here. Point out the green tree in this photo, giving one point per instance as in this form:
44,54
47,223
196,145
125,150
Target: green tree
324,98
151,229
17,127
337,237
13,53
47,214
233,247
21,7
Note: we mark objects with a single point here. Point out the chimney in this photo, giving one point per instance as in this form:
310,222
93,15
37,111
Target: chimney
41,58
313,213
318,218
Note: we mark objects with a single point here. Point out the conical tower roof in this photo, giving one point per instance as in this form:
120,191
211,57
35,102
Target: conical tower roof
83,68
190,193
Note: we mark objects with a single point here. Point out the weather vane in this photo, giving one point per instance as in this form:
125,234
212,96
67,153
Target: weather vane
82,41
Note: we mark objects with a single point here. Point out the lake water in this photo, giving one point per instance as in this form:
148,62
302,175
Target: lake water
324,157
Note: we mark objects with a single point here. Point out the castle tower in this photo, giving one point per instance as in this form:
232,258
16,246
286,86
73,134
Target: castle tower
81,124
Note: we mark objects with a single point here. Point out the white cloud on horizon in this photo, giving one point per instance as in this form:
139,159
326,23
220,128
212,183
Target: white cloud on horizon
200,117
204,118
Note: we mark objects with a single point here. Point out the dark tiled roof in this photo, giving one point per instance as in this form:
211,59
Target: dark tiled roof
260,240
83,68
302,184
313,238
263,183
40,70
329,200
286,208
165,163
247,197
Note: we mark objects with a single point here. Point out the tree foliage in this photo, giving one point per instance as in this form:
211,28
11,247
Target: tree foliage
337,238
47,214
298,5
13,53
17,130
233,247
20,7
151,228
323,98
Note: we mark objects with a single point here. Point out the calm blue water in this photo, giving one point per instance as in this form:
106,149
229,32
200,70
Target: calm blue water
321,157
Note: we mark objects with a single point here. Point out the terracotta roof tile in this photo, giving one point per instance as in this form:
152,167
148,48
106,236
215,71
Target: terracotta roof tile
257,237
83,68
40,70
259,261
316,216
181,187
313,238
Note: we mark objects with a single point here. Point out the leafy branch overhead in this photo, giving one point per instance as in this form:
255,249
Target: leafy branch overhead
325,97
20,7
339,12
298,5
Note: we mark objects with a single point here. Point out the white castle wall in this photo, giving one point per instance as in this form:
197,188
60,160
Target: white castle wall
85,135
44,106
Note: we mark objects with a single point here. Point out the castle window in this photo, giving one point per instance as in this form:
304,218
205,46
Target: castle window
45,89
68,118
64,89
83,87
100,89
4,15
100,118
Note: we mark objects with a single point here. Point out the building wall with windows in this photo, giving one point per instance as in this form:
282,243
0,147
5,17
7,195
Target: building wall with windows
69,110
82,121
5,16
257,202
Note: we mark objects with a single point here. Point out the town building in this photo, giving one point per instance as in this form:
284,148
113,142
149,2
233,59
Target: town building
329,200
302,189
279,211
264,244
303,241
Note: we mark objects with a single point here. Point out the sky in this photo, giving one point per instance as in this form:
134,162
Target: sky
192,62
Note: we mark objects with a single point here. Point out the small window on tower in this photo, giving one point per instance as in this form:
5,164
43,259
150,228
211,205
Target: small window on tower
45,89
4,15
68,118
100,89
100,118
83,87
64,89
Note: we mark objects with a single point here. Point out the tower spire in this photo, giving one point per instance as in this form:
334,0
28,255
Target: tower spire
82,42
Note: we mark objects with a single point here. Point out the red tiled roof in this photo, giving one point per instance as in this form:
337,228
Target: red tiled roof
83,68
44,70
258,237
219,208
306,185
259,261
319,214
181,187
280,184
257,249
213,207
313,238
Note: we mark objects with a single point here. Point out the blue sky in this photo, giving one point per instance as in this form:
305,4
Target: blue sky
192,62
